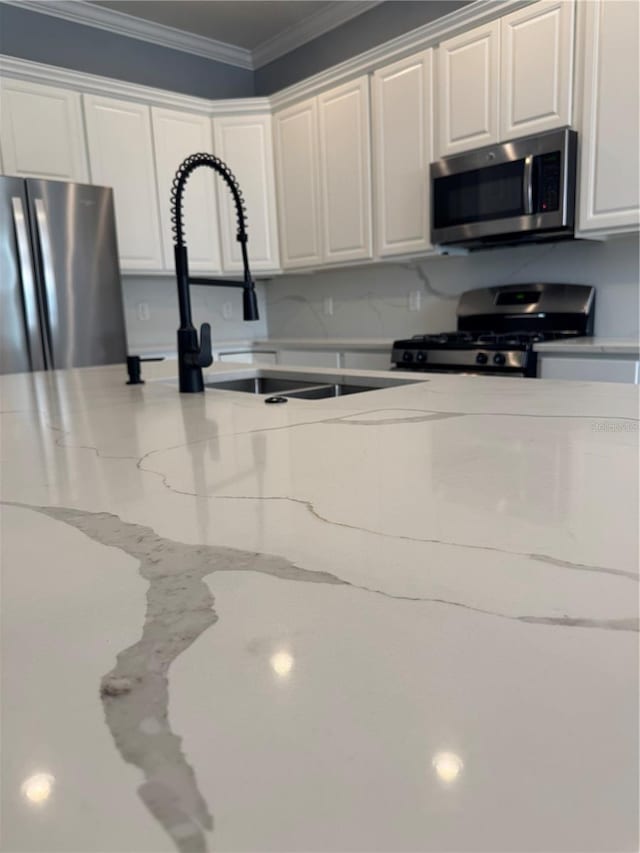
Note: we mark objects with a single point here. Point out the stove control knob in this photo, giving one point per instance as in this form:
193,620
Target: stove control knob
499,359
421,357
481,358
407,356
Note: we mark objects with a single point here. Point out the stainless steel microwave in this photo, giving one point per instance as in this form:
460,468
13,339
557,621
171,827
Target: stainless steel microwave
519,191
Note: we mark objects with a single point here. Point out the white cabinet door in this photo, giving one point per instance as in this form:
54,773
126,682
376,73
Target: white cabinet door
403,149
244,143
345,171
121,156
468,85
308,358
41,132
176,135
609,198
592,369
367,360
536,68
298,193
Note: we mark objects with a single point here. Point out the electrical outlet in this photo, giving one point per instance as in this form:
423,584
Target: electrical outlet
227,310
327,306
414,300
143,311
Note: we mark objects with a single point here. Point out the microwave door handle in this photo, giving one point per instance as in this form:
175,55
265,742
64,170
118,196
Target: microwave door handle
527,185
48,275
27,279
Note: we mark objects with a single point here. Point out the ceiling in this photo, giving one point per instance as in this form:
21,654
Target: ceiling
243,32
245,24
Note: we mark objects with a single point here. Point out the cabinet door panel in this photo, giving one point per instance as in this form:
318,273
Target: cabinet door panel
402,123
244,143
298,195
609,197
177,135
345,169
589,369
537,62
468,86
308,358
41,132
121,156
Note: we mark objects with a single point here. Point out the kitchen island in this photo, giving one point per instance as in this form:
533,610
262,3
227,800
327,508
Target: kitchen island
399,620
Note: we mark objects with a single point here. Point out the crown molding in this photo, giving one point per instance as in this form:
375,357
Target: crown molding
476,13
122,24
80,12
310,28
51,75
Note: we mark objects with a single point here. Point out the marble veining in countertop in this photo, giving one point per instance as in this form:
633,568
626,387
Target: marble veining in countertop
404,620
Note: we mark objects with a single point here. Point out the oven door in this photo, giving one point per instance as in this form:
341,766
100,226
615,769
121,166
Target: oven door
504,193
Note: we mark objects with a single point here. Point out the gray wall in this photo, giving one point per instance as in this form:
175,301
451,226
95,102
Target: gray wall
380,24
53,41
42,38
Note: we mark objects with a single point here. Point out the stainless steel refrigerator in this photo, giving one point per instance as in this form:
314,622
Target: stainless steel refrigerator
60,289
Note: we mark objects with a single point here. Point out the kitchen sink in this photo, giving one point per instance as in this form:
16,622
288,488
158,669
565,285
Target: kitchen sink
303,386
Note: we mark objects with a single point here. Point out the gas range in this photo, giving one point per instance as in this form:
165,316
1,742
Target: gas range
497,328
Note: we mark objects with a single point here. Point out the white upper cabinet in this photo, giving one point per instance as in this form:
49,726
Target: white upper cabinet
609,198
402,151
121,156
41,132
297,180
345,171
536,68
177,135
244,143
468,86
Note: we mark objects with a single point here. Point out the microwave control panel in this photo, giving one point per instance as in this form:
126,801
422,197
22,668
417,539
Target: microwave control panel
548,182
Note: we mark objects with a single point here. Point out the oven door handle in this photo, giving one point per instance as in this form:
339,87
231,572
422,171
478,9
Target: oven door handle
527,184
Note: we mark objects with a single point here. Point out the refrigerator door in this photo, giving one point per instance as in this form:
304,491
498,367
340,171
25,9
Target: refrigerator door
21,346
77,257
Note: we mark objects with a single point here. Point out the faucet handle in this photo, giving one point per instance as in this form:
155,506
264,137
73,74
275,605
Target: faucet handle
202,357
206,356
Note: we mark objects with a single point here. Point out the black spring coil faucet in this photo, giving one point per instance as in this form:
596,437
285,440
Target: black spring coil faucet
194,355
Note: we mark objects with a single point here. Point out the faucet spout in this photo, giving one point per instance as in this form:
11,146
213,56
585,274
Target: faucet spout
193,356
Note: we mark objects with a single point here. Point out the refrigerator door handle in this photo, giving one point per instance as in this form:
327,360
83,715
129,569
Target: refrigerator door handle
48,274
27,278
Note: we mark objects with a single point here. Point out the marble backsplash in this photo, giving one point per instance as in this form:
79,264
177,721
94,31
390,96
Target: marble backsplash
374,300
151,312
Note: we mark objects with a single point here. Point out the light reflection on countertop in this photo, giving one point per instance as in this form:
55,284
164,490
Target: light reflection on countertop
282,664
37,789
448,766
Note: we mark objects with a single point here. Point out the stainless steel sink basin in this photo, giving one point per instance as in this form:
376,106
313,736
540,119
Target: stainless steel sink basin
316,386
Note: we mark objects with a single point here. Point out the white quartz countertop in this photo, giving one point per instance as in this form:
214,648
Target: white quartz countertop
592,346
404,620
